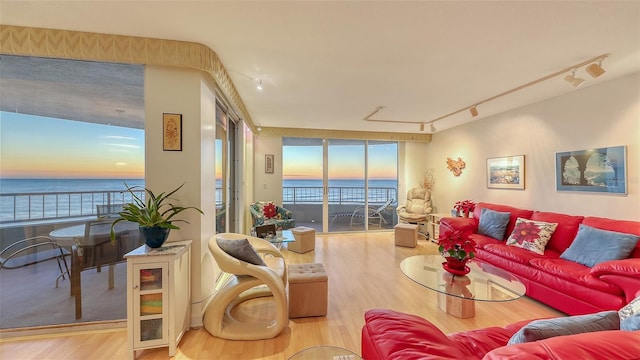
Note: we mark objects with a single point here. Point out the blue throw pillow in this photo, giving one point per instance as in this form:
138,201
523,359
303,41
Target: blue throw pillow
493,223
593,246
632,323
570,325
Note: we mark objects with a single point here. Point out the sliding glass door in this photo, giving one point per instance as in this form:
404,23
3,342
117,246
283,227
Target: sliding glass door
338,185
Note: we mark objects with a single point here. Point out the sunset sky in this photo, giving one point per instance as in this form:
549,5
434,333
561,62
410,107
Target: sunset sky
41,147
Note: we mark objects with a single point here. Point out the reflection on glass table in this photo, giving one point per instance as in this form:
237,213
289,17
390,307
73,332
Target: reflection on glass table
458,294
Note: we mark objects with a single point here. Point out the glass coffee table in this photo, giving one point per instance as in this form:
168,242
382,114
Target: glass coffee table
323,352
281,237
457,294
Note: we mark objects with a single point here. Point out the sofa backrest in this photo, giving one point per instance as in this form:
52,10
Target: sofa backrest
515,214
623,226
565,231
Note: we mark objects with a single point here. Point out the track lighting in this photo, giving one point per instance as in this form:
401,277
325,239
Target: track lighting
432,128
595,69
573,80
259,86
473,111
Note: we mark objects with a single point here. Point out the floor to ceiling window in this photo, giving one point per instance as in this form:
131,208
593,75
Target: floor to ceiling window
72,138
338,185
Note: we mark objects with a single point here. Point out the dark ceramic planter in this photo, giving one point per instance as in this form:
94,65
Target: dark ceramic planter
154,236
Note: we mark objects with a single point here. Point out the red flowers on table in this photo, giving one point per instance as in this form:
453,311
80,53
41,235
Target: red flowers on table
457,245
465,206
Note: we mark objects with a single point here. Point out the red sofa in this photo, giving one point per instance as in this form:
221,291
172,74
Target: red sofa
388,334
562,284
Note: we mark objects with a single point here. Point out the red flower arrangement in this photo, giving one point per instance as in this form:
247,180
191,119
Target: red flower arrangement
465,206
457,245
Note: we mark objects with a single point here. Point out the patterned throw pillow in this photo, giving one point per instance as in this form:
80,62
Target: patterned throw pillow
632,308
531,235
269,210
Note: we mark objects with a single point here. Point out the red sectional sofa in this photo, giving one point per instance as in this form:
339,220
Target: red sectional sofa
565,285
390,335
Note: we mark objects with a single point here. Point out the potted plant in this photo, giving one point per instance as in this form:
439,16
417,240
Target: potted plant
465,207
155,217
457,249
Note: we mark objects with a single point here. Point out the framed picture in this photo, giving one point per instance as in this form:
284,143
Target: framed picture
506,172
268,164
172,132
594,170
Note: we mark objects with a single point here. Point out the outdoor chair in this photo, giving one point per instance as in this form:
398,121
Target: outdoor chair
32,251
373,214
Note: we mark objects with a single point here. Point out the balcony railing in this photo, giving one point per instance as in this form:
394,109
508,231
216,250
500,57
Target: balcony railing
18,207
337,195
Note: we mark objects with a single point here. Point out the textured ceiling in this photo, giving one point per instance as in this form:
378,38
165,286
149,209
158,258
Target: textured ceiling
328,64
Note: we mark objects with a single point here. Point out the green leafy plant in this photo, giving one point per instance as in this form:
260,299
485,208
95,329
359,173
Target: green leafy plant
158,210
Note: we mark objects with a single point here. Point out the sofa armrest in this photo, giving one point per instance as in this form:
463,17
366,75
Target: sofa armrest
613,344
624,274
284,213
466,225
389,334
625,267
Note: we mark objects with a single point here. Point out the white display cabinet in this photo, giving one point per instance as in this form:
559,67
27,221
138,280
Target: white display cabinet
158,296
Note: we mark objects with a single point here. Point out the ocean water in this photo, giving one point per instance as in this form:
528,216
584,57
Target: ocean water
59,198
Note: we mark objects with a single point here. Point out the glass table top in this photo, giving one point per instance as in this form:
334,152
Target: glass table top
284,237
483,283
325,352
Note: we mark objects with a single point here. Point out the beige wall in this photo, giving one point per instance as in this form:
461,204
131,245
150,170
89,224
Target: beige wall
599,116
186,92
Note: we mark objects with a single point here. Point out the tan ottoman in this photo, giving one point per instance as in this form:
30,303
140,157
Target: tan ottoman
305,239
406,235
307,290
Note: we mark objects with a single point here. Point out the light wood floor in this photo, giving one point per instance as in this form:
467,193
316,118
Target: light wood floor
363,272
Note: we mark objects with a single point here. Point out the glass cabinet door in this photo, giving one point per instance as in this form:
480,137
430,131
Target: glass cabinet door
150,304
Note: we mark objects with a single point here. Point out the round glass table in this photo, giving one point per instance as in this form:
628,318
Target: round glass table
457,294
325,352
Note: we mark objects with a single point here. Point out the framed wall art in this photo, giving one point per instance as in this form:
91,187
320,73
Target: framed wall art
268,164
171,132
507,172
593,170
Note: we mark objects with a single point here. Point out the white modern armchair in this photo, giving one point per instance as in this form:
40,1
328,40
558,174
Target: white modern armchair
249,276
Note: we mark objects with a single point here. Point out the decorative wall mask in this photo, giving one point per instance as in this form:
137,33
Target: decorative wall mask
455,166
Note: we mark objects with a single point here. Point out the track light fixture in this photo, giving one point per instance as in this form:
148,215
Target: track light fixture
259,86
573,80
595,69
432,127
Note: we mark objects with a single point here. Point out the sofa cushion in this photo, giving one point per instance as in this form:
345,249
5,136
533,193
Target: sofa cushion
623,226
592,246
511,253
241,250
572,272
531,235
570,325
565,231
493,223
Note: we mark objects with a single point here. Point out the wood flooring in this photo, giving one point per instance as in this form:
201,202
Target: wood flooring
364,273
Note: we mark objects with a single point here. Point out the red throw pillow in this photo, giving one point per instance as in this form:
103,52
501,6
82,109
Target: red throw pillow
269,210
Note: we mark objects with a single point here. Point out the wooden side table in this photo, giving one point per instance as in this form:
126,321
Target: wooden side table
434,225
